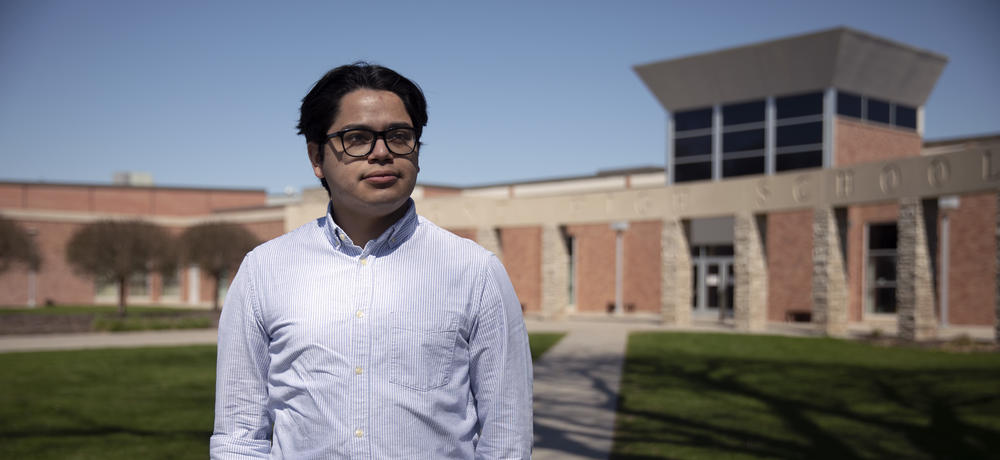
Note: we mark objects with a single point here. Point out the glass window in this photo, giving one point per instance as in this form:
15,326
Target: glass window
692,146
801,134
743,140
906,117
848,104
800,160
692,172
693,119
878,110
882,236
747,112
743,166
171,284
798,106
880,269
138,284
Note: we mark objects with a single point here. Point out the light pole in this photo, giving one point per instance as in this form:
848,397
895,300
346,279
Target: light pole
619,227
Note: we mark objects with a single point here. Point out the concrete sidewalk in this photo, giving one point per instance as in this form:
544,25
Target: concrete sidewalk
87,340
576,389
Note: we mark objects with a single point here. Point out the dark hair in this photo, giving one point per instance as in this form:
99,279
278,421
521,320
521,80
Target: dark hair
320,106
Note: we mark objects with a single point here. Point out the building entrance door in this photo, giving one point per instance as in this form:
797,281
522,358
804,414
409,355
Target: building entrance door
713,282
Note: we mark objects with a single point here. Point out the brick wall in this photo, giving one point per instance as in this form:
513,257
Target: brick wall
522,256
126,200
971,288
641,285
789,263
863,142
595,266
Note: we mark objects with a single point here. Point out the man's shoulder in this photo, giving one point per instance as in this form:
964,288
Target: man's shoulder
305,235
448,241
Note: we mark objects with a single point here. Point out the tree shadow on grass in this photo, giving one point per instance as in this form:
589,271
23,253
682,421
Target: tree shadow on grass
780,409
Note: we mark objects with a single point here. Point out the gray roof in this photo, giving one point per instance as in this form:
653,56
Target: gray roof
841,58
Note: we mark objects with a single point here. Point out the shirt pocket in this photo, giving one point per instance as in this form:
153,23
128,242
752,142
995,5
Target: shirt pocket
422,360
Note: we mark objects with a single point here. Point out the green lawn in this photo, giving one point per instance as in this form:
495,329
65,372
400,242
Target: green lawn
708,396
148,403
540,342
95,309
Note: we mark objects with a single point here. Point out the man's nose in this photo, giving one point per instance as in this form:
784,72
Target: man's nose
380,150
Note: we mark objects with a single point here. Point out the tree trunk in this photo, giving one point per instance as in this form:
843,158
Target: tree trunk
122,291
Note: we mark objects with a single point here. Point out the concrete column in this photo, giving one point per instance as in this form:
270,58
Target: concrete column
914,280
750,269
555,272
829,283
675,276
489,238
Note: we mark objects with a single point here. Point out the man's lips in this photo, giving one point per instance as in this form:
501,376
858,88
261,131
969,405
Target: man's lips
381,178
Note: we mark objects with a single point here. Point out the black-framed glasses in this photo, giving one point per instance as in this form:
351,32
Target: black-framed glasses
359,142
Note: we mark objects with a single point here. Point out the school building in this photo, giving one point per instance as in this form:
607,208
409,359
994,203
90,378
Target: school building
798,188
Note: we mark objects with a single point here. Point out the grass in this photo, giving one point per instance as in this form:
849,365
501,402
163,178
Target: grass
94,310
707,396
113,404
540,342
147,403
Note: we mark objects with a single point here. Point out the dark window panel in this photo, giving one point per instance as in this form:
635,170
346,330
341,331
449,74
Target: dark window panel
691,146
801,160
721,250
742,167
848,104
885,300
693,119
747,112
878,110
882,236
743,140
906,117
798,106
692,172
801,134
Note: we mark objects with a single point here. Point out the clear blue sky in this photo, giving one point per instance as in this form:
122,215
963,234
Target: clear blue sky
204,93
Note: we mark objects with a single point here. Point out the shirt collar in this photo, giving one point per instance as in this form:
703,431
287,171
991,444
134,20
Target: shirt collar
396,234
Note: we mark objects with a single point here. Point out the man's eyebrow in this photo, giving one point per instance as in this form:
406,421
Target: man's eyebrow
370,128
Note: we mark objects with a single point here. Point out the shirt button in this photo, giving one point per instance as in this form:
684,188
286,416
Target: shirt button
364,261
359,433
359,314
358,370
341,236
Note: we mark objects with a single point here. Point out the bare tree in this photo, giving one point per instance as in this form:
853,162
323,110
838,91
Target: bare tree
17,246
114,250
217,248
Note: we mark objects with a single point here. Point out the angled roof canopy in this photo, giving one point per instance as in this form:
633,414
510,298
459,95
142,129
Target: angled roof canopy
841,58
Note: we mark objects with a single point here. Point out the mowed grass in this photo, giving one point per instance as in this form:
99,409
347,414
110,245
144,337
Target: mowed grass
96,310
150,403
709,396
540,342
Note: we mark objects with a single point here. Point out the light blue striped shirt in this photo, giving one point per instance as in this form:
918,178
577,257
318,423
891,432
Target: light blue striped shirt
412,347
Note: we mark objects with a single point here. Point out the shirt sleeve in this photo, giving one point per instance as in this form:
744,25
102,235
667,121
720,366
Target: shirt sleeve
242,419
500,370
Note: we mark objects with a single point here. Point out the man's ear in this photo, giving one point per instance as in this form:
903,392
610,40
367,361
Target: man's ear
315,158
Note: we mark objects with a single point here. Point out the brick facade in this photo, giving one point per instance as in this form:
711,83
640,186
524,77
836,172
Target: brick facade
863,142
789,258
971,290
522,256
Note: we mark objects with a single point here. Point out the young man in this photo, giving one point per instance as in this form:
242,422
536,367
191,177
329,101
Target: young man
371,333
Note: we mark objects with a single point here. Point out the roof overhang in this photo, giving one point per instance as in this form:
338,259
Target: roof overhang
840,58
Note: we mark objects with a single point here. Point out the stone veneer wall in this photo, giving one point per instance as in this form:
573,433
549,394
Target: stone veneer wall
675,263
829,285
555,272
750,269
914,281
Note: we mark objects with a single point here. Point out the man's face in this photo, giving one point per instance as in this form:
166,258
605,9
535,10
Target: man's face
372,186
